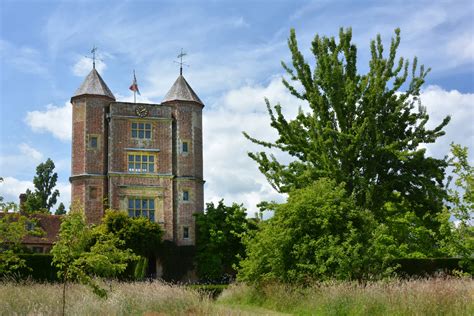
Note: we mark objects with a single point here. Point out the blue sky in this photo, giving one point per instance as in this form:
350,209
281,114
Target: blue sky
234,52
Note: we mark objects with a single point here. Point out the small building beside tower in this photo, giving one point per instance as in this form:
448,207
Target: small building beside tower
143,158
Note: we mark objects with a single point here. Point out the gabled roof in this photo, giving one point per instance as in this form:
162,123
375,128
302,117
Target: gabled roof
94,85
181,91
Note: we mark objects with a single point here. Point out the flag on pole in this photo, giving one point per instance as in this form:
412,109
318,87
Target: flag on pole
134,86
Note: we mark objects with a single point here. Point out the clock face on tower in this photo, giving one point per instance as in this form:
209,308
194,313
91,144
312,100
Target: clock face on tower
141,110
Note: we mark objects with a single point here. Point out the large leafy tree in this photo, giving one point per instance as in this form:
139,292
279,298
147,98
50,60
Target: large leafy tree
319,233
220,233
139,234
44,196
363,130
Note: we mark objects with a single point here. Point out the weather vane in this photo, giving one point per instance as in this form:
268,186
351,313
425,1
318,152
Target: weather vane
93,51
180,62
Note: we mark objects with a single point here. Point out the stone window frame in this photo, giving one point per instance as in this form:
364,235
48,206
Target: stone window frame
186,192
90,194
181,147
186,233
88,141
137,129
141,154
133,209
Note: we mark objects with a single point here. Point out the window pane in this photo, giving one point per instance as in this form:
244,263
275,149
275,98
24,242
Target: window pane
144,165
140,134
140,126
130,158
144,158
151,158
130,167
94,142
151,204
137,158
137,167
144,204
145,213
134,133
130,203
185,195
137,204
151,167
134,125
137,213
152,216
147,134
130,213
185,147
147,126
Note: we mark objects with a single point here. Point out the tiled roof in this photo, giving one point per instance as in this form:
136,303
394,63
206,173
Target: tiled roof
94,85
181,91
49,224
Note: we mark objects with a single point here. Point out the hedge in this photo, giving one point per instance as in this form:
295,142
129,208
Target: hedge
40,267
431,266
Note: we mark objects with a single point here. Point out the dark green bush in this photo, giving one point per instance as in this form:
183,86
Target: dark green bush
430,266
176,260
39,267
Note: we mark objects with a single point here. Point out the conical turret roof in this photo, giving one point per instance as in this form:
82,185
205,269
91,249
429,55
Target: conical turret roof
181,91
94,85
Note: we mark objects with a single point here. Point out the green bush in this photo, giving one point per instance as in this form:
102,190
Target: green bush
430,266
38,267
176,260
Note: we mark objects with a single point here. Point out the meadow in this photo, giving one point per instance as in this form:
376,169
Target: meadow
436,296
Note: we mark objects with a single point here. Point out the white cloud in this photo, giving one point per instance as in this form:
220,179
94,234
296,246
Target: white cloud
30,152
460,106
84,65
55,120
229,172
461,47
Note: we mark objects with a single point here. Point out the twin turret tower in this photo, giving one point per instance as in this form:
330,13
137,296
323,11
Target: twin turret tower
143,158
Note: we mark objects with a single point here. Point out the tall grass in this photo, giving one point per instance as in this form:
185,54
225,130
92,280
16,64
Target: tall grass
438,296
139,298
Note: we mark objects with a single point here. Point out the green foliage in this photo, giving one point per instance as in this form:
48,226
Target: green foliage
176,260
459,233
362,130
81,254
43,197
319,233
38,267
12,231
139,234
423,267
219,239
61,209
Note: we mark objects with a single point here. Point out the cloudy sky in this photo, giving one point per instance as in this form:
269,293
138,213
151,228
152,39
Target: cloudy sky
234,52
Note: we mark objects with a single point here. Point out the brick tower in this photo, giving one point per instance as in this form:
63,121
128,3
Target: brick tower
143,158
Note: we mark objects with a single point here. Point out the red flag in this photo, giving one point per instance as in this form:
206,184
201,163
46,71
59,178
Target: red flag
134,86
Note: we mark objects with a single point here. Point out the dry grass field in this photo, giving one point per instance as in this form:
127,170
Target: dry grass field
439,296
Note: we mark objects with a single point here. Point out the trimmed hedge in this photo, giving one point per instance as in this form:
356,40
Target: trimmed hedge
176,260
430,266
40,267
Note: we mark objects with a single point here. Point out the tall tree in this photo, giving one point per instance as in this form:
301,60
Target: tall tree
363,130
44,196
61,209
80,254
220,233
